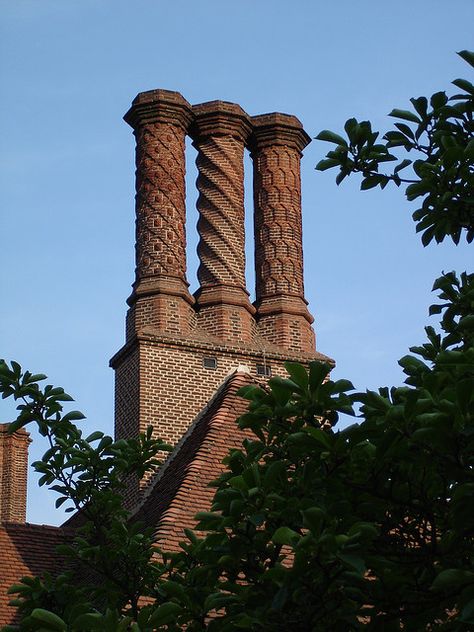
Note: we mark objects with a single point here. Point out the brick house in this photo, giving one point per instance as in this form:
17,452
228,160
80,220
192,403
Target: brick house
185,356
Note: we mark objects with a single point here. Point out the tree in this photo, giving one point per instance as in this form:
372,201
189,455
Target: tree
312,528
441,134
108,557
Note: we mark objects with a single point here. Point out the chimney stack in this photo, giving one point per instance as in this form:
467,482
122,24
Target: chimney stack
13,474
160,297
220,132
180,348
282,314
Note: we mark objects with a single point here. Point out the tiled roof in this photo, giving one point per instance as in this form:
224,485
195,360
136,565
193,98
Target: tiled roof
179,491
25,549
181,488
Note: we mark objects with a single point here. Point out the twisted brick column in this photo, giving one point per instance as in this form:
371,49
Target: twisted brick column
220,131
160,297
282,312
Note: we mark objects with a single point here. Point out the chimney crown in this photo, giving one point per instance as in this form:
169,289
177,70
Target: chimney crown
277,128
220,118
156,106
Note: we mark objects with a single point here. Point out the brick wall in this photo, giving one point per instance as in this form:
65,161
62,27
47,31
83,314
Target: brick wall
161,380
13,474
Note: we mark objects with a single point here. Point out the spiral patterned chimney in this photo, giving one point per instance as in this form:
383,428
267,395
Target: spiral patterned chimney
220,132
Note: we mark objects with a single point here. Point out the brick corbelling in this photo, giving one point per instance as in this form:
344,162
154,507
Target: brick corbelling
206,343
276,128
166,106
13,474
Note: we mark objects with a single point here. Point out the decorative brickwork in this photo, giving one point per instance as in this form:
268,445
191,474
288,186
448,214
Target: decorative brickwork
283,317
13,474
160,120
220,131
178,353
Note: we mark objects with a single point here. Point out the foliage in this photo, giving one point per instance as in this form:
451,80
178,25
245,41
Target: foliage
89,475
440,132
311,528
367,527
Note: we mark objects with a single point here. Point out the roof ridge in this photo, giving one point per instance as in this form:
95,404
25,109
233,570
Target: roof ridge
30,525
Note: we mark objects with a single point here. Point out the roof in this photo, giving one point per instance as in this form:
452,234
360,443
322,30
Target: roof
25,549
181,487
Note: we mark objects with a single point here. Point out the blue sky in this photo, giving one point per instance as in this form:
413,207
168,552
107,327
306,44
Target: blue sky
69,70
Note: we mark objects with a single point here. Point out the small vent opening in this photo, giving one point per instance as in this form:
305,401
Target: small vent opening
264,369
209,363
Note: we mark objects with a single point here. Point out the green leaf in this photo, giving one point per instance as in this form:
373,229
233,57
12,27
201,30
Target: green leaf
94,436
37,377
451,578
464,85
328,163
49,619
331,137
320,435
406,115
420,105
318,371
282,389
370,182
60,501
285,535
341,386
238,482
313,518
354,561
298,374
404,163
74,415
468,56
416,189
166,613
89,621
438,100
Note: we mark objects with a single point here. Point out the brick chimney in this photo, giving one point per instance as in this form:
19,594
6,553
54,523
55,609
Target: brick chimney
13,474
282,313
179,349
160,297
220,132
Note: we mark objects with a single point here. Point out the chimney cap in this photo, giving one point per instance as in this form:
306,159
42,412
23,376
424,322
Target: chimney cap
154,106
277,128
21,433
220,118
